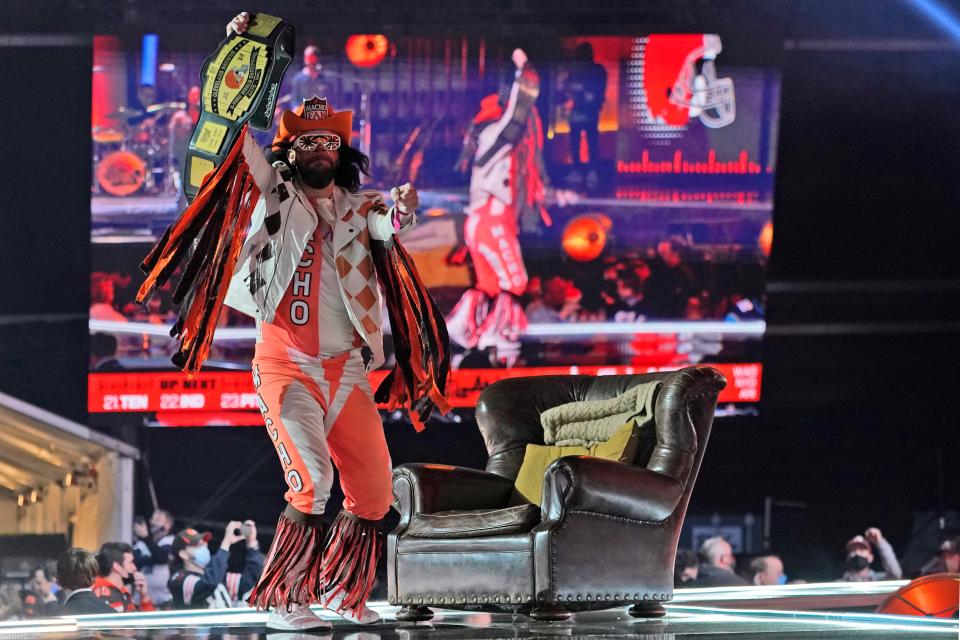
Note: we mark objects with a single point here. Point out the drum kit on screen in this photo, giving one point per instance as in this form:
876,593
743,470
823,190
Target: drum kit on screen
137,155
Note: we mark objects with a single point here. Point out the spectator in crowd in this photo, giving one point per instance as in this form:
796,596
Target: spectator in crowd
117,572
559,303
947,559
860,557
197,577
309,81
102,298
77,569
152,552
585,89
244,566
671,283
767,570
685,568
10,602
103,353
40,599
717,565
630,304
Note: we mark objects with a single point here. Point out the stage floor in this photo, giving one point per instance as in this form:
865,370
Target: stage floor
732,614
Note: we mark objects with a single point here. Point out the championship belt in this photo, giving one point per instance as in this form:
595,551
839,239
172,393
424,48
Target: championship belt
240,82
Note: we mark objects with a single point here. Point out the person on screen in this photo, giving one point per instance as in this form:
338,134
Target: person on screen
307,274
505,146
585,87
671,283
309,81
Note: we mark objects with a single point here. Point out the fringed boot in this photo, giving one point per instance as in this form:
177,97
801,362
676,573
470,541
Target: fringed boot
292,577
353,549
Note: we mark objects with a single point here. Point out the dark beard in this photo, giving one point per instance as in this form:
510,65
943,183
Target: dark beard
317,179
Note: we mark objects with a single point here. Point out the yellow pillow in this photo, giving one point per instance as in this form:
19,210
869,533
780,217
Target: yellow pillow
622,447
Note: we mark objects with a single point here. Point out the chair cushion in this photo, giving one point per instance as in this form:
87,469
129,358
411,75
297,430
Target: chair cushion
621,447
587,422
474,523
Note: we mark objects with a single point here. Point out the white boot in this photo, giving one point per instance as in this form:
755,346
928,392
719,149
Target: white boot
296,617
367,616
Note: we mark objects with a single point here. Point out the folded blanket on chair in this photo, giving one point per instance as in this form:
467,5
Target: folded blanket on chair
589,422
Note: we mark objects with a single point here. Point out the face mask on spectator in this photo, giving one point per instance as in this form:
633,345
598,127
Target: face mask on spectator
782,579
201,556
157,529
856,562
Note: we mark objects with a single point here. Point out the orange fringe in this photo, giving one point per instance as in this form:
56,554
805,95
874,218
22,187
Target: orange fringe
218,216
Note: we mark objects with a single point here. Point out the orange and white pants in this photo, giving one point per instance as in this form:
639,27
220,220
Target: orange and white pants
319,410
490,234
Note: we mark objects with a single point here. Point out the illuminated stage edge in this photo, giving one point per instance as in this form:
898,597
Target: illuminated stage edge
738,612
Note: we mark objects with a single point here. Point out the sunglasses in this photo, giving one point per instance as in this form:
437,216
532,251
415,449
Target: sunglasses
314,141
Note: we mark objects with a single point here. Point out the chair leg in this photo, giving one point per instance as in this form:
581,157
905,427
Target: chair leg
647,610
549,613
411,613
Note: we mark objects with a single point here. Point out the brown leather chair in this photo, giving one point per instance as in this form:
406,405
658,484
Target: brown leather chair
605,534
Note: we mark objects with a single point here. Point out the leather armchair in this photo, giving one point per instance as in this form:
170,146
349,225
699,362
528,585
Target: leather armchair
604,535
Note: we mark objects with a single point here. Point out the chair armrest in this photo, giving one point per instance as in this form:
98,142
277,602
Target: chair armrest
428,488
595,485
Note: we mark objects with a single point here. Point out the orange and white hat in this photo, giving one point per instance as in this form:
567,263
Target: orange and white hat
314,114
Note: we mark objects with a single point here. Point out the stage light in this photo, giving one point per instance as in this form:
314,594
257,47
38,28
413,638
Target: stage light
766,238
585,237
21,500
367,49
940,15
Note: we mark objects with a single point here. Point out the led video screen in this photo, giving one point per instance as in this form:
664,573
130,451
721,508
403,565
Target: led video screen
623,225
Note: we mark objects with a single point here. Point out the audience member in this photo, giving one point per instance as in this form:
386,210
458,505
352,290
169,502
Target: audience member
767,570
947,559
559,303
244,566
671,283
152,552
77,570
860,557
197,577
102,298
40,599
717,565
685,568
631,304
117,571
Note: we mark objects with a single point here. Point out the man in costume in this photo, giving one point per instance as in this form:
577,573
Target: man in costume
296,245
306,274
505,143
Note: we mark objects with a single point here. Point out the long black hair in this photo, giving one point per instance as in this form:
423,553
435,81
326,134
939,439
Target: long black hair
347,176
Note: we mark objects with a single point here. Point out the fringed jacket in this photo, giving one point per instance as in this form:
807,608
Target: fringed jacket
281,227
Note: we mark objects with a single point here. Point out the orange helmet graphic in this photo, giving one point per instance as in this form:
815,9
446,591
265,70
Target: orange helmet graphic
680,81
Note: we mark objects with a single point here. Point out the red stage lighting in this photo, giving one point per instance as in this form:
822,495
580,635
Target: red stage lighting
585,236
367,49
766,238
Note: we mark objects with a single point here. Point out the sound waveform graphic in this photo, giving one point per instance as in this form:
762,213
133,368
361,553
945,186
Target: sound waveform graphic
743,165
